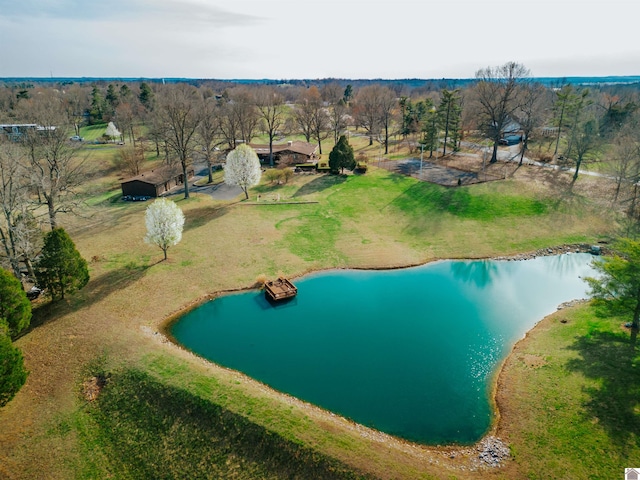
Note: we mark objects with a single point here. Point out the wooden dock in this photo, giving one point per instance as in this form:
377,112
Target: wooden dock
279,289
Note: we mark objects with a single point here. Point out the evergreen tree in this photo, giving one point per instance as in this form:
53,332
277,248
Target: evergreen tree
96,110
449,118
15,307
348,94
61,269
125,93
618,285
112,99
342,156
146,95
431,131
12,371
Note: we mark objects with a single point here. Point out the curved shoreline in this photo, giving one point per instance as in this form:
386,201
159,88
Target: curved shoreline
423,451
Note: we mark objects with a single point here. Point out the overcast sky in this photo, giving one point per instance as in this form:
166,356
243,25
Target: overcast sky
316,39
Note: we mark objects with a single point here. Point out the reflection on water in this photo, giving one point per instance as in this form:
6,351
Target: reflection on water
411,352
480,272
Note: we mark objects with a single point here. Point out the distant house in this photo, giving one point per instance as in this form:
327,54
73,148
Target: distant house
16,130
156,182
289,153
511,127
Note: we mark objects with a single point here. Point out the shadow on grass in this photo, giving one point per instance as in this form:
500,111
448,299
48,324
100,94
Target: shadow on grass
425,197
613,360
201,216
153,430
97,289
466,203
321,183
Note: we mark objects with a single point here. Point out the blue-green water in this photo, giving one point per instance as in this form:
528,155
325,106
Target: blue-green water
410,352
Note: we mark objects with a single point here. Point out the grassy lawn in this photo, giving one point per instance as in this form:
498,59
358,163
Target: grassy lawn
570,398
166,414
93,132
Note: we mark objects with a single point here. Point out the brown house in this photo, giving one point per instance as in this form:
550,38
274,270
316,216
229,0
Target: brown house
156,182
289,153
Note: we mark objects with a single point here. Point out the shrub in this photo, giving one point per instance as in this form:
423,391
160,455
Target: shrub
273,175
287,174
15,307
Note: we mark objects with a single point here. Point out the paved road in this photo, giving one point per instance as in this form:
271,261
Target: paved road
218,191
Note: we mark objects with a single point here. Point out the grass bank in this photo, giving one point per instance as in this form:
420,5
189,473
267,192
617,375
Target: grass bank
569,397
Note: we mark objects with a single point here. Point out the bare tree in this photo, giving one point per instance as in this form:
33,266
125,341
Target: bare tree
530,112
229,124
14,200
338,114
157,132
55,167
127,115
366,110
586,142
179,108
320,126
272,112
209,132
624,164
239,116
129,159
244,108
306,112
496,94
579,107
332,93
76,100
388,103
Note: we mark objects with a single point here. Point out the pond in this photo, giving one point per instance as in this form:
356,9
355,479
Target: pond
410,352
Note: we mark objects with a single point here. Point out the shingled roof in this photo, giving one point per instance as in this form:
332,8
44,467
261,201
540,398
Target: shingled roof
303,148
156,176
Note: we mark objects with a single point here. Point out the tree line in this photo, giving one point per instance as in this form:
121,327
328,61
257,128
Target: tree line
571,125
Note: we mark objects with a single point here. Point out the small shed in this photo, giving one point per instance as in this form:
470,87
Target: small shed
155,182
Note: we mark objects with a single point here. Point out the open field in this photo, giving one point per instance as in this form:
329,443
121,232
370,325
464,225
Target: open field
167,414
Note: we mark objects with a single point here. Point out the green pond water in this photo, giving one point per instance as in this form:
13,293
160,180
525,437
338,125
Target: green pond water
410,352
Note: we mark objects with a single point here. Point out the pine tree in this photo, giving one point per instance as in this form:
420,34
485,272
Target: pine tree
145,96
12,371
342,156
15,307
450,115
61,269
97,106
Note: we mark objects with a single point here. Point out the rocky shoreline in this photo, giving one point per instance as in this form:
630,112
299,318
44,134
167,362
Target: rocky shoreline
600,249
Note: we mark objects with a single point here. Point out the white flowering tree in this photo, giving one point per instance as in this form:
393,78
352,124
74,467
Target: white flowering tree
242,168
164,221
112,132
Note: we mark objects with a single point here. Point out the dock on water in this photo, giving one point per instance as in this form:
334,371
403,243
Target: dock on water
279,289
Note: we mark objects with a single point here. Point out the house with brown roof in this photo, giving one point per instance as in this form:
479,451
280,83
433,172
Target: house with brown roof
155,182
289,153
